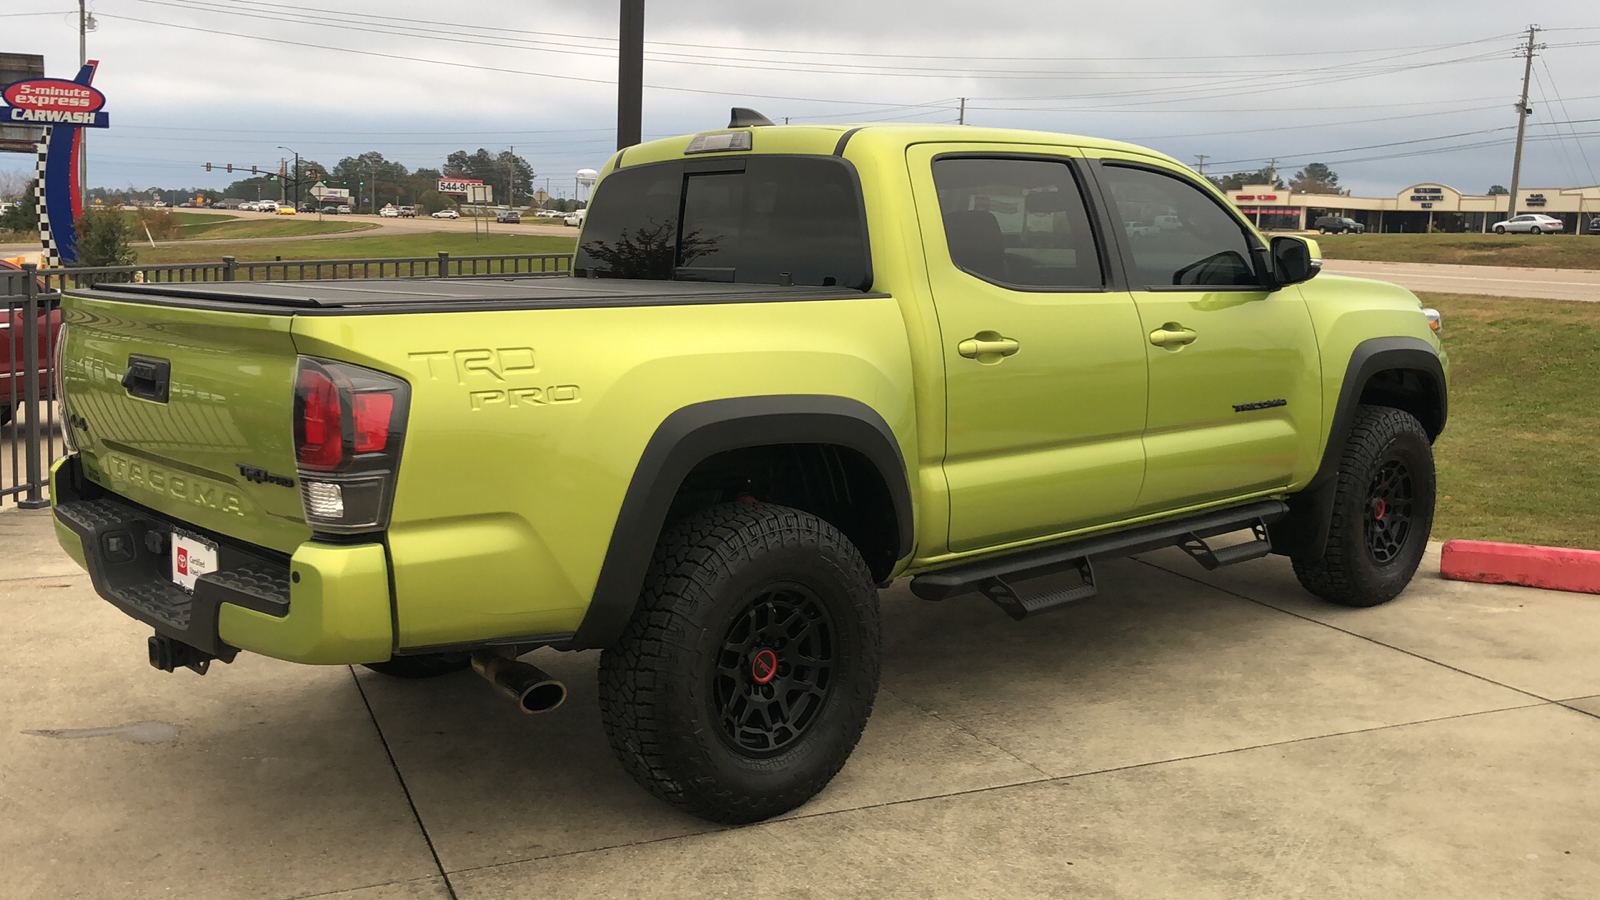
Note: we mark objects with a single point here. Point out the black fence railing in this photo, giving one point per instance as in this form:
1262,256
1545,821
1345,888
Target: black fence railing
442,265
30,330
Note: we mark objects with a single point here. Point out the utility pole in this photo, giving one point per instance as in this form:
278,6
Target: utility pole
961,117
283,184
83,60
630,74
1201,168
1272,171
1523,112
511,180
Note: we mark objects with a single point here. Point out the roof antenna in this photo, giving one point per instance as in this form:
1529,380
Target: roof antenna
747,118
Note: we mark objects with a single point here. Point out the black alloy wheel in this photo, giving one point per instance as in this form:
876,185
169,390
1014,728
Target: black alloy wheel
774,674
1382,512
747,673
1389,502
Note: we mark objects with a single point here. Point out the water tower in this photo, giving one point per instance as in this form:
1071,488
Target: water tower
586,179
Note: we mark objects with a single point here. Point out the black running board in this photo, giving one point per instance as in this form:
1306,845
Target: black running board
993,577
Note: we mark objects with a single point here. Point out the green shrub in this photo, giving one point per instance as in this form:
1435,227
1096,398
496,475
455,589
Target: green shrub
105,238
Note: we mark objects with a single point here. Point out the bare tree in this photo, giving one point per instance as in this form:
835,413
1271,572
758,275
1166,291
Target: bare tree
12,184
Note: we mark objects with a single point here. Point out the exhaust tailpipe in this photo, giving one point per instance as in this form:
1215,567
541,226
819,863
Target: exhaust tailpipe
530,686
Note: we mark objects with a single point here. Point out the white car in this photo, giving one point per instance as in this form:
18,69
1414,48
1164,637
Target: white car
1532,223
267,206
576,219
550,214
389,212
447,214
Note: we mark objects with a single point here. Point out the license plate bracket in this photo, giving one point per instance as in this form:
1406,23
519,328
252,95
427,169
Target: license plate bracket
192,557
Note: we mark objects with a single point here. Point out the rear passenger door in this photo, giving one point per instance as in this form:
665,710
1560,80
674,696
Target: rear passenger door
1044,362
1235,400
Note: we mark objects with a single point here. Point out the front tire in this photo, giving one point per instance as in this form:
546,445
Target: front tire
1499,229
1536,230
1382,512
746,676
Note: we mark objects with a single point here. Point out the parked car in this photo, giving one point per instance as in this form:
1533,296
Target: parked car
344,209
1339,225
330,210
13,325
575,219
408,212
285,210
705,453
509,216
447,213
1530,223
266,206
389,212
550,214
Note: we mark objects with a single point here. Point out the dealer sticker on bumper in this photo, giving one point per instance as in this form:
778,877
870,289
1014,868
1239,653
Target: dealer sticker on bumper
191,558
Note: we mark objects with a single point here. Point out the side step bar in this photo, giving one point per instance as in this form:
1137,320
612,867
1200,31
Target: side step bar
992,577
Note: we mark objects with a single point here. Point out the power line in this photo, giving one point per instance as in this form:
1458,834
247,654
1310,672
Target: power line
1563,104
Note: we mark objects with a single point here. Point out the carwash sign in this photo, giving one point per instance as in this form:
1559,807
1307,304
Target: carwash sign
54,101
64,108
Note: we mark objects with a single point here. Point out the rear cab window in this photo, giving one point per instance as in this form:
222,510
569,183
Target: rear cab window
1017,222
756,220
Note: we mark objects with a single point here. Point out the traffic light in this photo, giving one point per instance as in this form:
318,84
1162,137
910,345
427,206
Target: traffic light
253,171
272,178
230,168
208,167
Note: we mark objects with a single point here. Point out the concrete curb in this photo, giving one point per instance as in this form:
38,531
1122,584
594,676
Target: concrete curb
1552,568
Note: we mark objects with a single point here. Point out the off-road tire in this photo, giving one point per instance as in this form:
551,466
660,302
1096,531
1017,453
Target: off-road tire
423,665
1386,470
663,686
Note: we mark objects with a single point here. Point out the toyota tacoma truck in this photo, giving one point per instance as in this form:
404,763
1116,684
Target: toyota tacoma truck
792,366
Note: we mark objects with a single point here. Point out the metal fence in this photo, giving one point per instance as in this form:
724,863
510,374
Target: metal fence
229,269
29,441
30,300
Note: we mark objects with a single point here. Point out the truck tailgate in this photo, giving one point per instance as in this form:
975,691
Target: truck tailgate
188,412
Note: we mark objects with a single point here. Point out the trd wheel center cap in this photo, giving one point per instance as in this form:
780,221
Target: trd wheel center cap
1379,507
764,666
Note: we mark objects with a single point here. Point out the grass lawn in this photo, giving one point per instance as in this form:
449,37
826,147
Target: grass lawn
383,245
209,226
1539,251
1517,461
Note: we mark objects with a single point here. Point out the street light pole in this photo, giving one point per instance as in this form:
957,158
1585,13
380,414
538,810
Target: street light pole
83,60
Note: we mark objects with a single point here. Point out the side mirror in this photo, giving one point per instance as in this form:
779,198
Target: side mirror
1295,259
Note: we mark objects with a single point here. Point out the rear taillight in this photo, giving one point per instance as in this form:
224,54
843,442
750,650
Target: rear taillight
348,426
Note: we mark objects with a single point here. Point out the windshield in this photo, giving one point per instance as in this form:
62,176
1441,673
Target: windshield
758,220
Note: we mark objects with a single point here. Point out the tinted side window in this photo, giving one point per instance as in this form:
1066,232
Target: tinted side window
783,220
1177,234
1017,222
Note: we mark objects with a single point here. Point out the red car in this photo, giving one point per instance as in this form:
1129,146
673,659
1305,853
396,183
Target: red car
12,350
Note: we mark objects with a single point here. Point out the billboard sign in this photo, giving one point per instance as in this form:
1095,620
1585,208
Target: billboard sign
54,101
459,185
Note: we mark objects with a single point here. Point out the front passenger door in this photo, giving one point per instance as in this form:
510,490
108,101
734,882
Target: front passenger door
1235,401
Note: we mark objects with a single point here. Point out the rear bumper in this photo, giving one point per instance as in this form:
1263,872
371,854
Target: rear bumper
328,603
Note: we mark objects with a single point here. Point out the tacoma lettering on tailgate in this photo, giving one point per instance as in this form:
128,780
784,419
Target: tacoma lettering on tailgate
127,473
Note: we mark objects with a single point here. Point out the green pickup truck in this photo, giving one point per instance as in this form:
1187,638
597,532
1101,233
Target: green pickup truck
794,365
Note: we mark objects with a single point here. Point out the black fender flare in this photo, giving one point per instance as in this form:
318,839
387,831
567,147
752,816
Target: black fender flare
698,431
1304,532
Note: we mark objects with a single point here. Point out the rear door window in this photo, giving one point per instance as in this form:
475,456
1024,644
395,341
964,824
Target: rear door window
1017,222
781,220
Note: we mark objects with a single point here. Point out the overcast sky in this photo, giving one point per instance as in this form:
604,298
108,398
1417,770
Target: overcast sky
192,81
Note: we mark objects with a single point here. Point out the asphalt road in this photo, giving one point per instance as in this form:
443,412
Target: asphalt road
1494,281
1186,734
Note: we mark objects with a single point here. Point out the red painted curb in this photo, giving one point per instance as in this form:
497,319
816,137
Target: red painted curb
1552,568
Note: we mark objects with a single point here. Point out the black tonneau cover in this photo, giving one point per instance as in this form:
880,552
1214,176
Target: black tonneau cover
372,296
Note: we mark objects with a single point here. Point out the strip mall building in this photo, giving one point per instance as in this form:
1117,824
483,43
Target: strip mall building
1418,209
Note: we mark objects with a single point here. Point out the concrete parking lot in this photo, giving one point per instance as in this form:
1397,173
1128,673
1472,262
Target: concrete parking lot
1185,735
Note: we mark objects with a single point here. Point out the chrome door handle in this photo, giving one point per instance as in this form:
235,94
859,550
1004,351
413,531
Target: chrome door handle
1172,336
988,347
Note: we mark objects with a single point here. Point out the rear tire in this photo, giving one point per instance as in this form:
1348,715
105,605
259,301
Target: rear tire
5,413
1382,512
423,665
746,676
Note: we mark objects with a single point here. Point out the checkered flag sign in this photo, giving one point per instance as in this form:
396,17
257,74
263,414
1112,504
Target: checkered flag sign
52,255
